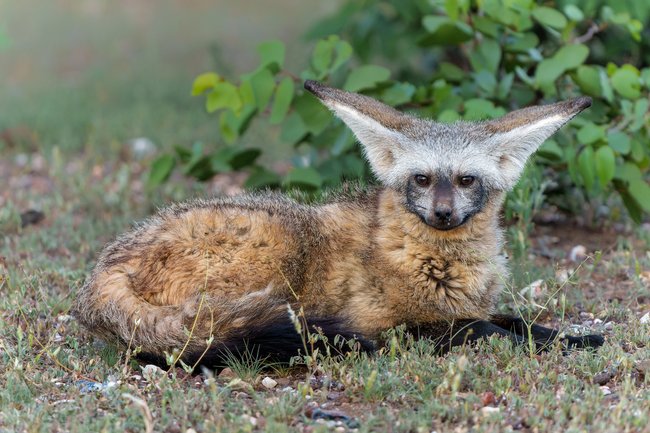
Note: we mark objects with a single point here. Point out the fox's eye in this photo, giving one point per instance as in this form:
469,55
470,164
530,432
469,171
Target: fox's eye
466,180
422,180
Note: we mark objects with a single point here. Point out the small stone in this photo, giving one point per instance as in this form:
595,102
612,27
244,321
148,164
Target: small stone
488,410
237,384
562,275
151,372
534,289
605,390
585,315
643,366
64,318
339,429
334,395
645,318
608,326
578,253
269,383
190,430
227,373
142,147
602,378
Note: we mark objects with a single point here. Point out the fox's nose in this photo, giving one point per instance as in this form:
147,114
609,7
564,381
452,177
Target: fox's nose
443,212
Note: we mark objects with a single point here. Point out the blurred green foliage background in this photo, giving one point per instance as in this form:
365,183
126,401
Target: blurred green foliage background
87,76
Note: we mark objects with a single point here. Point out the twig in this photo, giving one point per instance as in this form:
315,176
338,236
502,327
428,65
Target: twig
594,29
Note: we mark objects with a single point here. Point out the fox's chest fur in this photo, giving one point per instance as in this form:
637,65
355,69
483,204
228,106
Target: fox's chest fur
394,269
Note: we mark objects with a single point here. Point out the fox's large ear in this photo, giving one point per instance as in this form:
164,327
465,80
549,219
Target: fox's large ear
519,133
377,126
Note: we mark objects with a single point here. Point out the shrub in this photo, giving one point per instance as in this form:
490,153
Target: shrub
450,60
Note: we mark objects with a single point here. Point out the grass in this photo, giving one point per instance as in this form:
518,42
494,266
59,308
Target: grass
47,359
69,160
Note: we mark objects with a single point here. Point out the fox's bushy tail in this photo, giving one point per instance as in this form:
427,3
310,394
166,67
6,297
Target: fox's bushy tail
204,330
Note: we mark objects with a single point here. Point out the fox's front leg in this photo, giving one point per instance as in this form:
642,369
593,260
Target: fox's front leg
446,335
543,336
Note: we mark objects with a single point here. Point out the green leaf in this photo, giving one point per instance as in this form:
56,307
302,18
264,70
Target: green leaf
451,72
232,125
591,133
449,116
366,77
304,178
486,81
478,109
199,165
487,26
572,56
293,129
487,56
632,206
605,164
161,169
503,89
588,79
314,115
398,93
640,191
322,56
620,142
645,76
626,82
445,31
566,58
521,43
586,167
342,53
550,150
244,158
204,82
224,95
640,111
262,178
547,72
574,13
263,85
233,158
608,92
628,172
282,101
549,17
271,54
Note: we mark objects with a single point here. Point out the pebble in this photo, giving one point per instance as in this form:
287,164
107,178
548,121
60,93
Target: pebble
269,383
645,318
151,372
63,318
227,373
578,253
534,289
584,315
605,390
487,410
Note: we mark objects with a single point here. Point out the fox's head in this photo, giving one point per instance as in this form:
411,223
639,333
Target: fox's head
446,172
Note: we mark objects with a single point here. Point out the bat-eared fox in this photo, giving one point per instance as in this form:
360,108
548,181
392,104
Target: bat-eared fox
422,249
